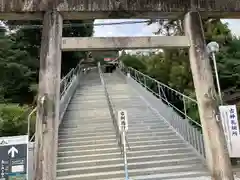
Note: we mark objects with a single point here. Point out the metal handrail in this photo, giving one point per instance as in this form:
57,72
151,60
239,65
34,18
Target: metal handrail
120,136
180,119
64,85
67,79
110,105
29,123
125,154
182,96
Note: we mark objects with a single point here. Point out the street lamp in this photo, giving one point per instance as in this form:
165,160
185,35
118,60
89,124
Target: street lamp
212,48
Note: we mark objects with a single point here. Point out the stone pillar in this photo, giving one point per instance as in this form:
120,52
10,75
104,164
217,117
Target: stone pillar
214,139
49,97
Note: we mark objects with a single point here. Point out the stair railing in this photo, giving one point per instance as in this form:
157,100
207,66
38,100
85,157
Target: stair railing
124,144
120,135
179,110
67,85
110,105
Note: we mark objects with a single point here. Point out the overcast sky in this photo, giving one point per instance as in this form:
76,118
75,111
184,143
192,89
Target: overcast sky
142,29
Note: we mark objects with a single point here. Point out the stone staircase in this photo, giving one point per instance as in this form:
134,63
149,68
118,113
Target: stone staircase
156,151
87,145
88,148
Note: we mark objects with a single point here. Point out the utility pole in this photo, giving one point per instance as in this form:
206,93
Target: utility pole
47,122
216,153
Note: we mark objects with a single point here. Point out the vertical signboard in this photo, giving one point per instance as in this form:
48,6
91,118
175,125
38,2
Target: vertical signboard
230,124
122,120
14,158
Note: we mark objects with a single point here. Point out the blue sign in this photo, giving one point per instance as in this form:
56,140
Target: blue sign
13,158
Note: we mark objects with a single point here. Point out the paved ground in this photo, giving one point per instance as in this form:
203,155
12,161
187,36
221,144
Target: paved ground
236,170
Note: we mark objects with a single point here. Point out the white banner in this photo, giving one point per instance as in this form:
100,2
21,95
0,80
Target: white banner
231,129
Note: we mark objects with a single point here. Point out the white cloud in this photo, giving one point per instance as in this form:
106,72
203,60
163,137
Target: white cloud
149,30
142,29
234,25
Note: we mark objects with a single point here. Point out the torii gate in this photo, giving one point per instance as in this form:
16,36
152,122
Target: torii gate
52,12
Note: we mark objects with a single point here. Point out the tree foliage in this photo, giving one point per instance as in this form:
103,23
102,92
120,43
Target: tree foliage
19,59
172,67
19,70
14,120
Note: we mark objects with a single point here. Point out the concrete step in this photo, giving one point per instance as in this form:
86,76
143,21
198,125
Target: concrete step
88,142
89,92
89,129
100,144
91,114
112,135
139,163
130,119
116,171
81,126
170,176
87,122
87,152
81,102
133,155
107,138
82,138
86,146
100,132
78,131
85,119
87,107
91,98
76,151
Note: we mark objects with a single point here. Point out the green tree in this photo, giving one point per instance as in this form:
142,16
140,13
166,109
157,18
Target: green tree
134,62
20,59
13,120
172,67
228,63
19,66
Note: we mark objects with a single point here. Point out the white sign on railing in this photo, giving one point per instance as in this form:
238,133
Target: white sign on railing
231,129
122,120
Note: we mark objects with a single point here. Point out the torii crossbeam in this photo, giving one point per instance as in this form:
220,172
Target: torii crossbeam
107,9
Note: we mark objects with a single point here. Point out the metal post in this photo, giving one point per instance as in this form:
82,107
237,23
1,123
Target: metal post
217,78
125,154
159,91
185,109
29,121
145,83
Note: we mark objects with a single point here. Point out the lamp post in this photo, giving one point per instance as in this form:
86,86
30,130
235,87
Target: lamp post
212,48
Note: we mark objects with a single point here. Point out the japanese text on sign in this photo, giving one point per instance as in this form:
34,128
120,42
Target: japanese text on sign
14,157
122,120
230,124
233,122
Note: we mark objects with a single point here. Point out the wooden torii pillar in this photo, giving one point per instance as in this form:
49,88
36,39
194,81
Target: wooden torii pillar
216,152
49,97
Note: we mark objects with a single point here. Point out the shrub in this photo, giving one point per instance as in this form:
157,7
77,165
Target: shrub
14,120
